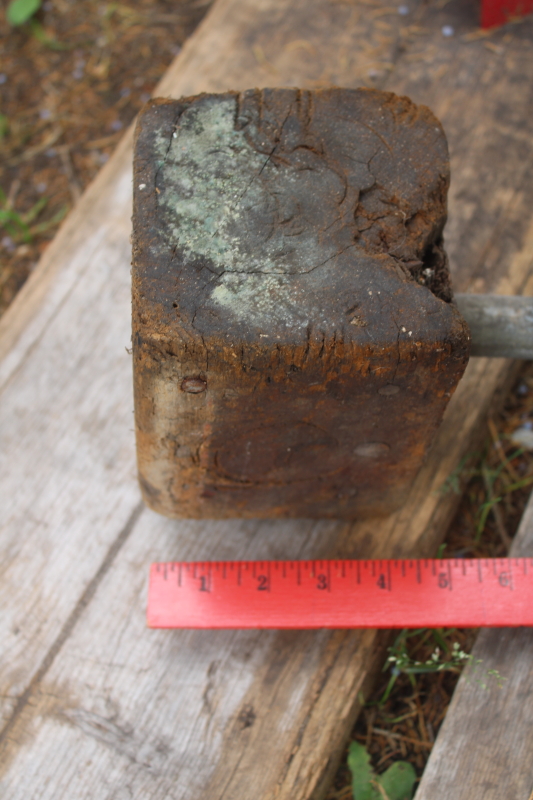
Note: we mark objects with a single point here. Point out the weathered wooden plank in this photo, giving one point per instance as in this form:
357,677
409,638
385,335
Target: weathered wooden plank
484,750
65,376
74,540
67,473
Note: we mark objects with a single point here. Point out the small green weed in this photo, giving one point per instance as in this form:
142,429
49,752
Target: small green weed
4,126
20,11
490,477
497,482
397,783
402,662
19,226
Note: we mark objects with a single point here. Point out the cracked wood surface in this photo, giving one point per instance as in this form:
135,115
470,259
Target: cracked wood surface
92,703
294,346
484,750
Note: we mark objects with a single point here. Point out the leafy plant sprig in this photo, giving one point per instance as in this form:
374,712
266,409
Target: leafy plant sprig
401,662
396,783
20,11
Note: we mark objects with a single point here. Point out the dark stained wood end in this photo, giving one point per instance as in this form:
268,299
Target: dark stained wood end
295,343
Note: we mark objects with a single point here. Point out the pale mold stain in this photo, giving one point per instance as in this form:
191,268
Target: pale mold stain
227,204
260,298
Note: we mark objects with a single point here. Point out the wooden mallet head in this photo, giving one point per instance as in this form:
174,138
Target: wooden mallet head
295,338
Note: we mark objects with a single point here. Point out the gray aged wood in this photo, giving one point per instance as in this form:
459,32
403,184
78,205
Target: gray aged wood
92,703
484,750
501,327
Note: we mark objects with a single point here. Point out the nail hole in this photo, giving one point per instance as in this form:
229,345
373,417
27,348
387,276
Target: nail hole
193,385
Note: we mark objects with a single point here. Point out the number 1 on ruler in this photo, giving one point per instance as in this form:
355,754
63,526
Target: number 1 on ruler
342,594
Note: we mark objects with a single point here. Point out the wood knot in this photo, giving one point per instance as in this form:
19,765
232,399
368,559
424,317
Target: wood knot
247,716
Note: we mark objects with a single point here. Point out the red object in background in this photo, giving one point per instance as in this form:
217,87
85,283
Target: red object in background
498,12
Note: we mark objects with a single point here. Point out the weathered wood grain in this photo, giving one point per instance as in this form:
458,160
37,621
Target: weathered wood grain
484,750
90,699
294,343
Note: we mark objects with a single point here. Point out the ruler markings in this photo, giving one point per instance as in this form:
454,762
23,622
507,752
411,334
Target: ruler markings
432,593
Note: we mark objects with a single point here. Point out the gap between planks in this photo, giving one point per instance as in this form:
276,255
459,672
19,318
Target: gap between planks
484,750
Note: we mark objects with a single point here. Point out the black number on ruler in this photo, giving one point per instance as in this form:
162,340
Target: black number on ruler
203,584
321,581
503,579
443,580
262,583
382,582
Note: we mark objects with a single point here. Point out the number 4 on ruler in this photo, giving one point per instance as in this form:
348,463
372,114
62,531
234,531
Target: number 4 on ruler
342,594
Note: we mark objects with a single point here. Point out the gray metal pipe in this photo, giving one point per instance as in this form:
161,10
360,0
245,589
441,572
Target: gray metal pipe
501,327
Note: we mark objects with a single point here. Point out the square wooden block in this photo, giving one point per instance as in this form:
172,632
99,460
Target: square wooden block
295,340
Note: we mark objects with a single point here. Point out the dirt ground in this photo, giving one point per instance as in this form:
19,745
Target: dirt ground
70,83
497,477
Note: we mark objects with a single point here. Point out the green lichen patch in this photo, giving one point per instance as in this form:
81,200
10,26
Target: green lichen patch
239,208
